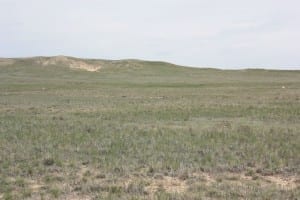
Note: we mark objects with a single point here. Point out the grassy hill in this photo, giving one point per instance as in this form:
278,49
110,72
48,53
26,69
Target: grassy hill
75,128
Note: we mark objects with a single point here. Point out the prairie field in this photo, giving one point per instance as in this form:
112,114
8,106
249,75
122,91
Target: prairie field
134,129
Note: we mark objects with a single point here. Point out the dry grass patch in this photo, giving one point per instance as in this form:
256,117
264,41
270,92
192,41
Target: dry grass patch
6,61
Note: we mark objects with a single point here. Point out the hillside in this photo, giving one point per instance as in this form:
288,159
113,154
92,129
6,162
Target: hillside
91,65
143,71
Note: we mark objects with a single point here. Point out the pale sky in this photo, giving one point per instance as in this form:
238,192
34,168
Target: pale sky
202,33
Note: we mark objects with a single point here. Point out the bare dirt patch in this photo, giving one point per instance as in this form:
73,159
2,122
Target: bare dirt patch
284,182
35,186
168,184
288,183
175,184
69,62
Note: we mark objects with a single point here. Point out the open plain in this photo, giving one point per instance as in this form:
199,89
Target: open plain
97,129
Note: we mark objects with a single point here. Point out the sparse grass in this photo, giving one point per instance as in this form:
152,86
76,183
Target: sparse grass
112,134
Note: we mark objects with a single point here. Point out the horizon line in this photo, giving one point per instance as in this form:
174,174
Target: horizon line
279,68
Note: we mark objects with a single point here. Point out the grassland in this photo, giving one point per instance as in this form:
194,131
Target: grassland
148,130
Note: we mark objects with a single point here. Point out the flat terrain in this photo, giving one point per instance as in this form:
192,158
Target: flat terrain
98,129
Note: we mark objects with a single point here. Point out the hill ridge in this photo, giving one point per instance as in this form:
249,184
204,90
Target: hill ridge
87,64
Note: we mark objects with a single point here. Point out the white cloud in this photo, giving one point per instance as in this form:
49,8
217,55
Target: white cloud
190,32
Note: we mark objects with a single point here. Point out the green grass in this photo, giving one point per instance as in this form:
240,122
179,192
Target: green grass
70,133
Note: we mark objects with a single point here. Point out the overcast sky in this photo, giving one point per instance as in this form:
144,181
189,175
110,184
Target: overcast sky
203,33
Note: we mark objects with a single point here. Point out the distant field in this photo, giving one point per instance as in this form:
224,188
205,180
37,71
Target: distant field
147,130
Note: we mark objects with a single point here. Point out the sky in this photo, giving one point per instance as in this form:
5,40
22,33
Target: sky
200,33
